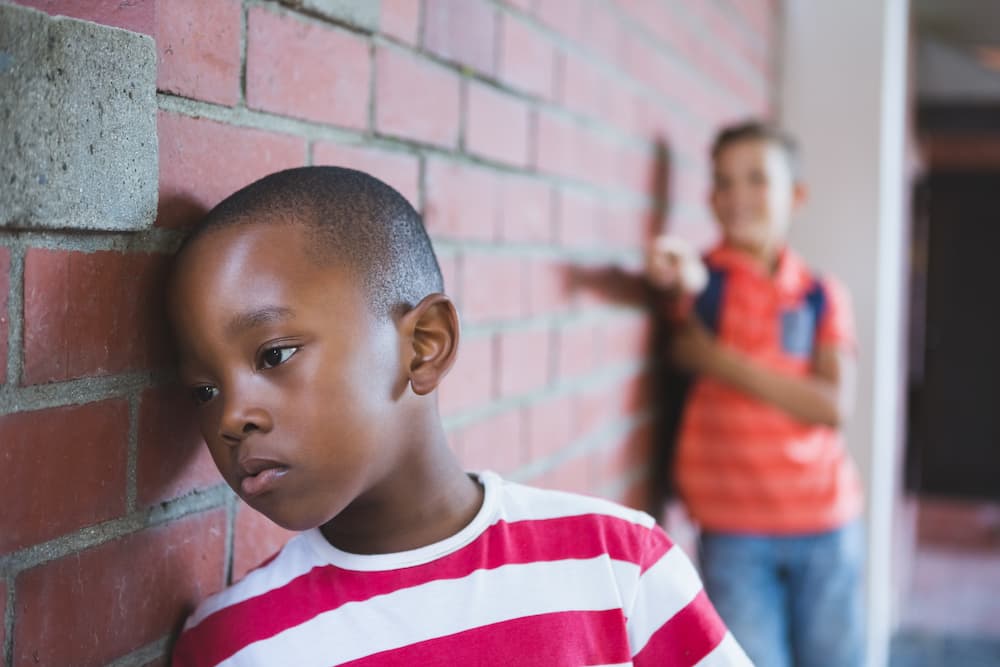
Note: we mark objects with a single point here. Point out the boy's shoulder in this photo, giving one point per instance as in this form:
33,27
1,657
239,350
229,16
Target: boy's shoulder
542,511
522,502
523,536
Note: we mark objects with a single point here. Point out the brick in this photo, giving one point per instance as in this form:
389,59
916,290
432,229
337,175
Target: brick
136,15
91,314
462,201
495,443
65,469
576,351
578,224
594,408
415,99
256,538
640,170
620,226
643,62
4,324
603,31
199,49
524,360
581,85
526,210
463,31
301,69
172,457
550,286
202,162
627,340
492,287
575,475
623,457
527,59
497,125
400,170
617,106
449,265
558,144
550,427
632,394
597,158
563,17
90,607
401,19
79,126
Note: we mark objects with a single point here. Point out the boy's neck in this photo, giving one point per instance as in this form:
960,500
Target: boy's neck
765,258
426,499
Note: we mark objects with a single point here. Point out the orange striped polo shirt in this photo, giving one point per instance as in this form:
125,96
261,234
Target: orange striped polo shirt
744,465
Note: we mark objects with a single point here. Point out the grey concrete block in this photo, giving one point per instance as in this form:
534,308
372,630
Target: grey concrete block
360,13
78,145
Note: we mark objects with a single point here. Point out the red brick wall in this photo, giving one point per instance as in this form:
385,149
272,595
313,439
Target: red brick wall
528,132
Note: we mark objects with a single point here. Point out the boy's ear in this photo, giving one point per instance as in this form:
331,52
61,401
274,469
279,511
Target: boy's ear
430,331
800,195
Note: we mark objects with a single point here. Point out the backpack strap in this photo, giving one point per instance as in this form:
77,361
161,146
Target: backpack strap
671,390
708,305
816,301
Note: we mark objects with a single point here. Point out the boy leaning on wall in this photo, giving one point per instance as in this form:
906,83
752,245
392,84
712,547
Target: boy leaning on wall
760,463
313,331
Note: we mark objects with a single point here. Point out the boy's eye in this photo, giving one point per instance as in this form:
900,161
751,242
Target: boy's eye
204,394
276,356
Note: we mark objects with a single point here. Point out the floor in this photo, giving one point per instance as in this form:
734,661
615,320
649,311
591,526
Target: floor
951,614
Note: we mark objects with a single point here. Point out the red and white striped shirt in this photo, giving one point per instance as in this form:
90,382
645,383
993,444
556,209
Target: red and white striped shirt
537,578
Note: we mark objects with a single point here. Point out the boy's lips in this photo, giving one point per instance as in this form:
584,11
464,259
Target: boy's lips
258,474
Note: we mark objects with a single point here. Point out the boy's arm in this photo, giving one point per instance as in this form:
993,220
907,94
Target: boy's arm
824,397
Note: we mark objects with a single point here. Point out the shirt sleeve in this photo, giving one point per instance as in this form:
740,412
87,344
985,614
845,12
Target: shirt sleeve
836,325
671,621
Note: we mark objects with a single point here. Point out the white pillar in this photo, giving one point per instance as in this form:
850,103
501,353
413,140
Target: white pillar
843,95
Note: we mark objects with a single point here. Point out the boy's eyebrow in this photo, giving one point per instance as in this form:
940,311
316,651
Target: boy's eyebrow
252,318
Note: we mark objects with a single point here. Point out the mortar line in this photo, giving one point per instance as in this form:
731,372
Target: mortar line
131,472
88,537
15,325
8,623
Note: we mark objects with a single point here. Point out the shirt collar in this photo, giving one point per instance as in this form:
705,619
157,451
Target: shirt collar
791,275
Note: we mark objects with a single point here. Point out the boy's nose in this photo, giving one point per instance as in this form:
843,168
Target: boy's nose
240,419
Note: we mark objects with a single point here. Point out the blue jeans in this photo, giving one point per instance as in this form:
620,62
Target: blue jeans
790,600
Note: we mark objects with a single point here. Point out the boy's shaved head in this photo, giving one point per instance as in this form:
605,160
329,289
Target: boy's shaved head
350,217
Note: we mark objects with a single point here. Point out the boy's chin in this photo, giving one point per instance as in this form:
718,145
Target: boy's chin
747,242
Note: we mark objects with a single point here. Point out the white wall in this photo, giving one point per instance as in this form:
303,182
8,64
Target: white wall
843,95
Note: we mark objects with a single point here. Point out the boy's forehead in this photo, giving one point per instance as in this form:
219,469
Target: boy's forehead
237,275
758,149
250,255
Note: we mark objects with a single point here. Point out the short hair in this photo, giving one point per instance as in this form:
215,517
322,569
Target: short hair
756,130
350,217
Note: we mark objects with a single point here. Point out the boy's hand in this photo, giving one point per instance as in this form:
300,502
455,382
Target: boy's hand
693,348
674,266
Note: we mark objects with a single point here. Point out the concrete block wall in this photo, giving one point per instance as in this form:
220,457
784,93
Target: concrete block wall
531,134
